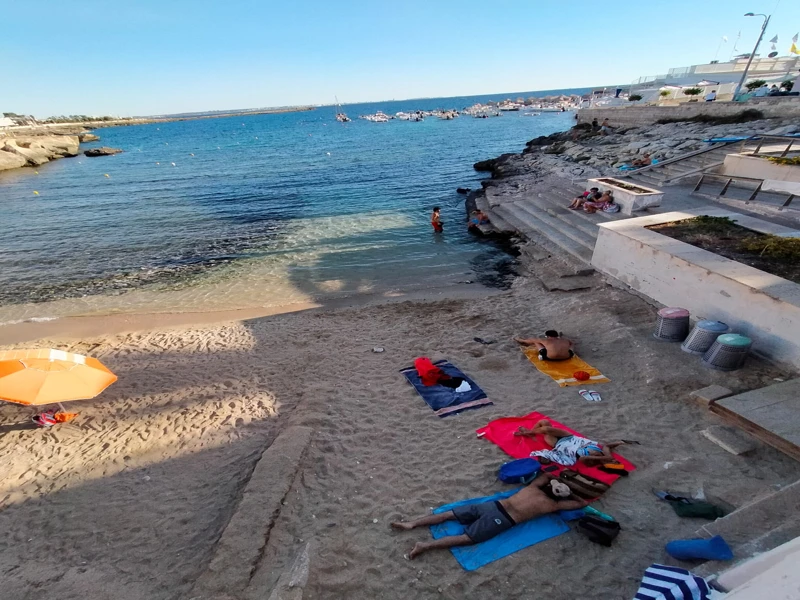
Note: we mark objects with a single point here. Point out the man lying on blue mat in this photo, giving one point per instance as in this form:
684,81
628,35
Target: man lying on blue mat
484,521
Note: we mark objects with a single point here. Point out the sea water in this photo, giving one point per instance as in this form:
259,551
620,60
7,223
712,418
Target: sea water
251,211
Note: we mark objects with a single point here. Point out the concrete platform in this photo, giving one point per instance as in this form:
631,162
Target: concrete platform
242,542
771,414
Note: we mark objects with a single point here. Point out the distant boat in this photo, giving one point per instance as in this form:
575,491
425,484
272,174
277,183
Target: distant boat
340,116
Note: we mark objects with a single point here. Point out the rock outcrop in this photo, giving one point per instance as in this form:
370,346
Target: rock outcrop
88,137
36,150
102,151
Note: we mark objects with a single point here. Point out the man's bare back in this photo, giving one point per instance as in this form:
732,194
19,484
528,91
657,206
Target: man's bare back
555,347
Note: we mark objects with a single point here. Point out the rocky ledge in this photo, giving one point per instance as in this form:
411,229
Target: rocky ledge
88,137
102,151
580,153
32,151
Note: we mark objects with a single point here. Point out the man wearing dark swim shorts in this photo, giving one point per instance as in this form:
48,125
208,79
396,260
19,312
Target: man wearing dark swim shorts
488,519
551,347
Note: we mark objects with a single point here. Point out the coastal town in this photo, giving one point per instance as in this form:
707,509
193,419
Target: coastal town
617,418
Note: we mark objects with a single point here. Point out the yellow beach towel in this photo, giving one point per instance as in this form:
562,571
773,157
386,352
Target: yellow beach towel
562,371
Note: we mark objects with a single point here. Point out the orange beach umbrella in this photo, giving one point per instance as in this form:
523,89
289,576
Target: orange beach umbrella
50,376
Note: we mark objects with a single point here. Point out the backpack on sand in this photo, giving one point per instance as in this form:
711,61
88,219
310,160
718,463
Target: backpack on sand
522,470
599,530
582,485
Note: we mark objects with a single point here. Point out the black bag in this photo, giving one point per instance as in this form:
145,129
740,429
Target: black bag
582,485
599,530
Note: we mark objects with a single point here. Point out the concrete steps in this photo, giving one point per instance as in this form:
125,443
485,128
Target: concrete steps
548,234
665,174
756,527
570,230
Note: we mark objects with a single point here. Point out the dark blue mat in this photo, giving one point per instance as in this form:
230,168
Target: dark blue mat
444,400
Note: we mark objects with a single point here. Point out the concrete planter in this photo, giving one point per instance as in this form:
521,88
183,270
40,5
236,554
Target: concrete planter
764,307
758,167
629,200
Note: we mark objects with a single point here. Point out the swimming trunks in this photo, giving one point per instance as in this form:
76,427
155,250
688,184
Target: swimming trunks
543,355
484,521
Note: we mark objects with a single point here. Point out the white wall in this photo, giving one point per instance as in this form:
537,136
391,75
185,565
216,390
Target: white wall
741,165
761,306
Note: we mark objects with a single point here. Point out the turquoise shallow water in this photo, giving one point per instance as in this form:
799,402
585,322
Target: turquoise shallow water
255,211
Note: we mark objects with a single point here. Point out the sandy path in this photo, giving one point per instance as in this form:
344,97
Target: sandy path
194,408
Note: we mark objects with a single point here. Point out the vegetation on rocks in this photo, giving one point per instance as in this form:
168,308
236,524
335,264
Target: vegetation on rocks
785,160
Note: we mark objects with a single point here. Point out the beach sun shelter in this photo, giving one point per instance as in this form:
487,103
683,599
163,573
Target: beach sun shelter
47,376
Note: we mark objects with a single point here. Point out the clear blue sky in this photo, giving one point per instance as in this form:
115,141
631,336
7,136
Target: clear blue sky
138,57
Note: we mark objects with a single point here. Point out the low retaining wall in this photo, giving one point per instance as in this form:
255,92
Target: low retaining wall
764,307
637,115
743,165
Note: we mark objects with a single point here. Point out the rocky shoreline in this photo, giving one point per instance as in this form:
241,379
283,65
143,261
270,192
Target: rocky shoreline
581,154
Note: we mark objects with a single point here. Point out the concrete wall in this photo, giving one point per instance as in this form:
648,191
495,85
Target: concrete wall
636,115
761,306
742,165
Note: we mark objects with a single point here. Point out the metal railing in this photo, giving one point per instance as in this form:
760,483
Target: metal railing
791,140
729,179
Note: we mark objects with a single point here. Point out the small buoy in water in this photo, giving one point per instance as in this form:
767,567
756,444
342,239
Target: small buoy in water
35,193
191,154
328,153
173,164
256,137
158,128
36,172
107,175
218,147
158,163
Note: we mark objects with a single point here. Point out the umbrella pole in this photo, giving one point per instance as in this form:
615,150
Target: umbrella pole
61,406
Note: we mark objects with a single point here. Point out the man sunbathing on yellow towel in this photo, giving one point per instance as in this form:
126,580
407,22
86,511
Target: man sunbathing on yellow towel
551,347
484,521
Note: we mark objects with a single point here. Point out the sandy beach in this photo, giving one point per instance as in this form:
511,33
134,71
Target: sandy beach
130,502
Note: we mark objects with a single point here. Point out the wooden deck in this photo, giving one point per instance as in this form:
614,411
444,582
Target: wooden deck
771,414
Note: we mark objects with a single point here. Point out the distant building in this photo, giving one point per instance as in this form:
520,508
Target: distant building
721,77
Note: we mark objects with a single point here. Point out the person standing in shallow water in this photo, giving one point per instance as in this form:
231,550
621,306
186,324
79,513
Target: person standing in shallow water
436,220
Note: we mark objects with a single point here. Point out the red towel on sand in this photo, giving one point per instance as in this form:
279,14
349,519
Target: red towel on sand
428,373
501,432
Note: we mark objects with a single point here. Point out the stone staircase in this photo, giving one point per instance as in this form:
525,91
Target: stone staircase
758,527
682,167
542,216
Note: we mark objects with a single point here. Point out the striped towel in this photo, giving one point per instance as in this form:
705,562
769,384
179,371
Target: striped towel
672,583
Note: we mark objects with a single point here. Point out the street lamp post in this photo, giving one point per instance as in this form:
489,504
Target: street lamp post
753,53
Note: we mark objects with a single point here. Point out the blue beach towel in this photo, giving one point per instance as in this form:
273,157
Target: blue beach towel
518,537
444,400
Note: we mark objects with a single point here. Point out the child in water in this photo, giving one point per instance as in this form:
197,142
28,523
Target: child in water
436,220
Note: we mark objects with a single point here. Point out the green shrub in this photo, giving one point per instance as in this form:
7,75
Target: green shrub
634,97
785,160
755,84
693,91
774,246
